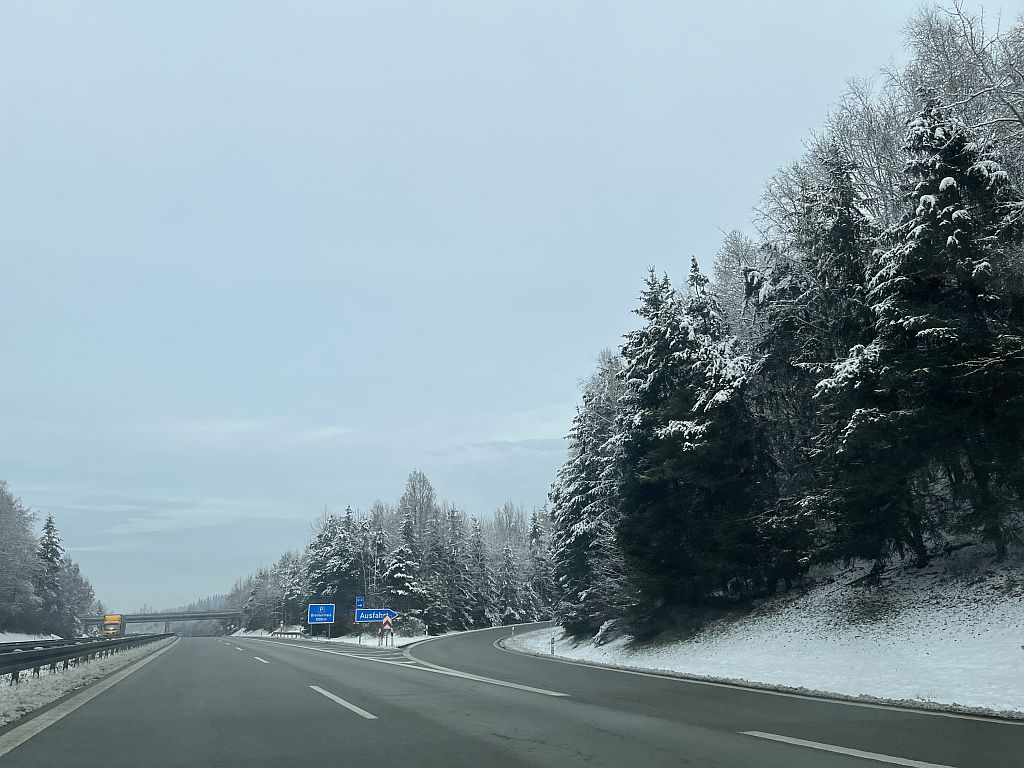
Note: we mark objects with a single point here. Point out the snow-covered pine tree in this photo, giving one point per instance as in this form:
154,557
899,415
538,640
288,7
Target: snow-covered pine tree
585,507
812,309
481,580
77,599
692,485
456,571
515,601
940,383
48,581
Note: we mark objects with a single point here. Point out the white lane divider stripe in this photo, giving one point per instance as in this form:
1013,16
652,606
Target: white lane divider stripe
337,699
22,733
237,648
846,751
264,661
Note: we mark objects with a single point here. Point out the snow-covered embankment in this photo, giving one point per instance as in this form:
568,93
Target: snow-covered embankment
950,635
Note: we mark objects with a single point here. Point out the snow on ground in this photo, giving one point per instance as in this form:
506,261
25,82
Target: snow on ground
17,637
368,639
265,633
951,634
35,692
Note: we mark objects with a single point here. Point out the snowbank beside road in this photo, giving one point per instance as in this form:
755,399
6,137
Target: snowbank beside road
18,637
950,634
368,639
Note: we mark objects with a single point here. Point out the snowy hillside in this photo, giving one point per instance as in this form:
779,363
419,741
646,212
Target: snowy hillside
951,634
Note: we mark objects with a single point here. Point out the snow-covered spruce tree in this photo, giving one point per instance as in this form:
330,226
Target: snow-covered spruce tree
458,585
333,564
48,580
262,605
516,602
481,580
400,589
437,610
692,484
940,386
813,309
447,583
77,598
585,509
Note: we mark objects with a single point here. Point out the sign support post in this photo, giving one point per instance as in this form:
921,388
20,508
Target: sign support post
320,613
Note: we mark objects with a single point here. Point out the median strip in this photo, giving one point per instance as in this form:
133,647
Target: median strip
845,751
338,700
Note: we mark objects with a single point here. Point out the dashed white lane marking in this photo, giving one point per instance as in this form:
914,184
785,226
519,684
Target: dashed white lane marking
337,699
22,733
423,666
846,751
237,648
264,661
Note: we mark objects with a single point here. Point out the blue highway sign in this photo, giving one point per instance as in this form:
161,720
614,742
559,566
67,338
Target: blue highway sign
320,613
374,614
360,602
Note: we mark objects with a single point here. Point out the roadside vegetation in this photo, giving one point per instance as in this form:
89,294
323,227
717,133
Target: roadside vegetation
847,386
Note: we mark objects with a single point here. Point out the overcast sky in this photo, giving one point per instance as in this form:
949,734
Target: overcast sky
262,258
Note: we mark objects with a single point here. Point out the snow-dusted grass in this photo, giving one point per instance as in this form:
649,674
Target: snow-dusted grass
265,633
35,692
18,637
950,634
368,639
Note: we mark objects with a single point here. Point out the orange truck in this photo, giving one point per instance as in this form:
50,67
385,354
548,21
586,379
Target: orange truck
113,625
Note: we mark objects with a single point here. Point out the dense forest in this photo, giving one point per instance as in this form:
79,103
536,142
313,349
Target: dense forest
847,384
42,590
439,569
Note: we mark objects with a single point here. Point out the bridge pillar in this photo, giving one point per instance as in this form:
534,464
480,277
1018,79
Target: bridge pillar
167,627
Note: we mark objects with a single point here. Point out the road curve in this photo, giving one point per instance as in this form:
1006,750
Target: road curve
909,735
460,701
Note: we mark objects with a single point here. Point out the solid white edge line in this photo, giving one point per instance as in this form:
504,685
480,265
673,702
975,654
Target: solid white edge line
680,678
337,699
424,666
18,735
261,660
846,751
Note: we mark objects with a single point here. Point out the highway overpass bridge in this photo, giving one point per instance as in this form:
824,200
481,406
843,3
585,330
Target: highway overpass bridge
167,617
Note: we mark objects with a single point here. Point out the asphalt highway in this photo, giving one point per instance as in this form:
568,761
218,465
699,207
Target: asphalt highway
463,701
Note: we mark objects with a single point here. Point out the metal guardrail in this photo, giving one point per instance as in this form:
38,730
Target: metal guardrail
53,653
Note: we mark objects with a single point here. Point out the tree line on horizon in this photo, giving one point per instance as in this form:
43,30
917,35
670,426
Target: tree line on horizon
438,568
847,385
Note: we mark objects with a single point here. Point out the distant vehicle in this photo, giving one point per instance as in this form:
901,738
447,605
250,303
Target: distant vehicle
113,625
